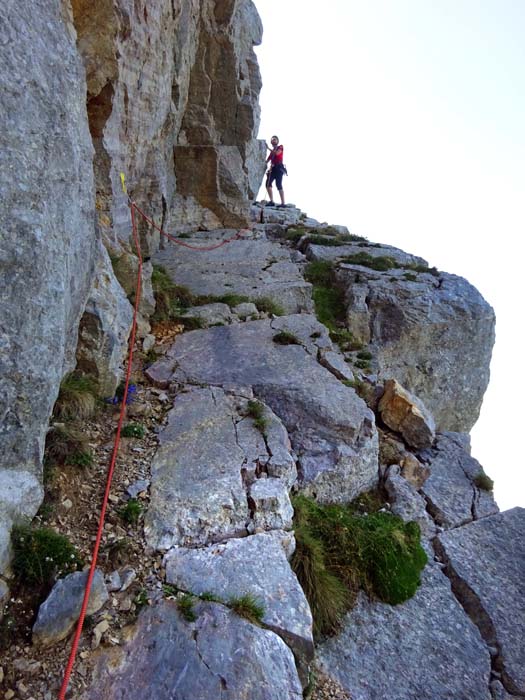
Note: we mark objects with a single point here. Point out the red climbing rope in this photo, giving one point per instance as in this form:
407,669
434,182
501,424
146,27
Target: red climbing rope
174,239
76,639
111,469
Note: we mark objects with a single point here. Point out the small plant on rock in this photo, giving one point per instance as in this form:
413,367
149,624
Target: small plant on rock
256,411
186,607
247,606
83,459
285,338
133,430
483,482
170,299
269,306
131,512
40,556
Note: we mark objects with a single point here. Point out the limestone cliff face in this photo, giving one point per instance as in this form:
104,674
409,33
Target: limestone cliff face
48,237
165,91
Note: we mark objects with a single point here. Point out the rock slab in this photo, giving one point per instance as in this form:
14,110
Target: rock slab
486,563
220,655
255,565
331,429
406,414
424,649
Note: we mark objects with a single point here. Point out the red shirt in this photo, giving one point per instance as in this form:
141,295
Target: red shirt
276,156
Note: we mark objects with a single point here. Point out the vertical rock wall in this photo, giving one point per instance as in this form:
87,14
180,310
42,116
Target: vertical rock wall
92,88
47,236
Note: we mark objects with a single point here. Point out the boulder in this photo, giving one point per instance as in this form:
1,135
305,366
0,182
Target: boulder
47,233
451,492
424,649
486,563
219,655
433,334
59,613
209,459
375,250
251,268
406,414
256,566
331,429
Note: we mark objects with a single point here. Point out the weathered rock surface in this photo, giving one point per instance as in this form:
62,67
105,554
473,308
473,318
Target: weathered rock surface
452,495
406,414
486,563
434,335
210,457
104,328
211,314
21,496
321,252
219,655
47,232
423,649
59,613
331,429
407,503
4,596
254,565
253,268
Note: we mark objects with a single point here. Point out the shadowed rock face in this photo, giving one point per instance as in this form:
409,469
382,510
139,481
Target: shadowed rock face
47,237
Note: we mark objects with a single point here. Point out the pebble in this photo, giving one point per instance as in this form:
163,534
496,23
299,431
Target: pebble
67,504
9,694
113,581
128,575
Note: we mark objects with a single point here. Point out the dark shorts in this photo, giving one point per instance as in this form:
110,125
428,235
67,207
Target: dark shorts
276,174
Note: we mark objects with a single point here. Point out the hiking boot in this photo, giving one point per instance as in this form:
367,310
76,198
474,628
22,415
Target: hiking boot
270,204
281,206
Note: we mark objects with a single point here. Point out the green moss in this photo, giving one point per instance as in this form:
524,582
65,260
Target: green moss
41,555
210,597
320,273
484,482
364,355
247,606
133,430
285,338
376,552
410,276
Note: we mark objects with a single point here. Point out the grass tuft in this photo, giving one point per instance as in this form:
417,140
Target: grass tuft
186,607
269,306
131,512
170,299
247,606
286,338
77,398
64,440
377,552
40,556
256,412
483,482
133,430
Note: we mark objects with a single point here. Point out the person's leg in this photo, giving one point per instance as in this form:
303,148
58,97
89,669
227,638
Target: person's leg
269,181
270,192
281,195
279,183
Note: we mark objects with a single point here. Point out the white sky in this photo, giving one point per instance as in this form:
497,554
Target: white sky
405,121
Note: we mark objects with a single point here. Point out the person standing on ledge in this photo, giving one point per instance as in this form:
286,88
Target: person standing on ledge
276,171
